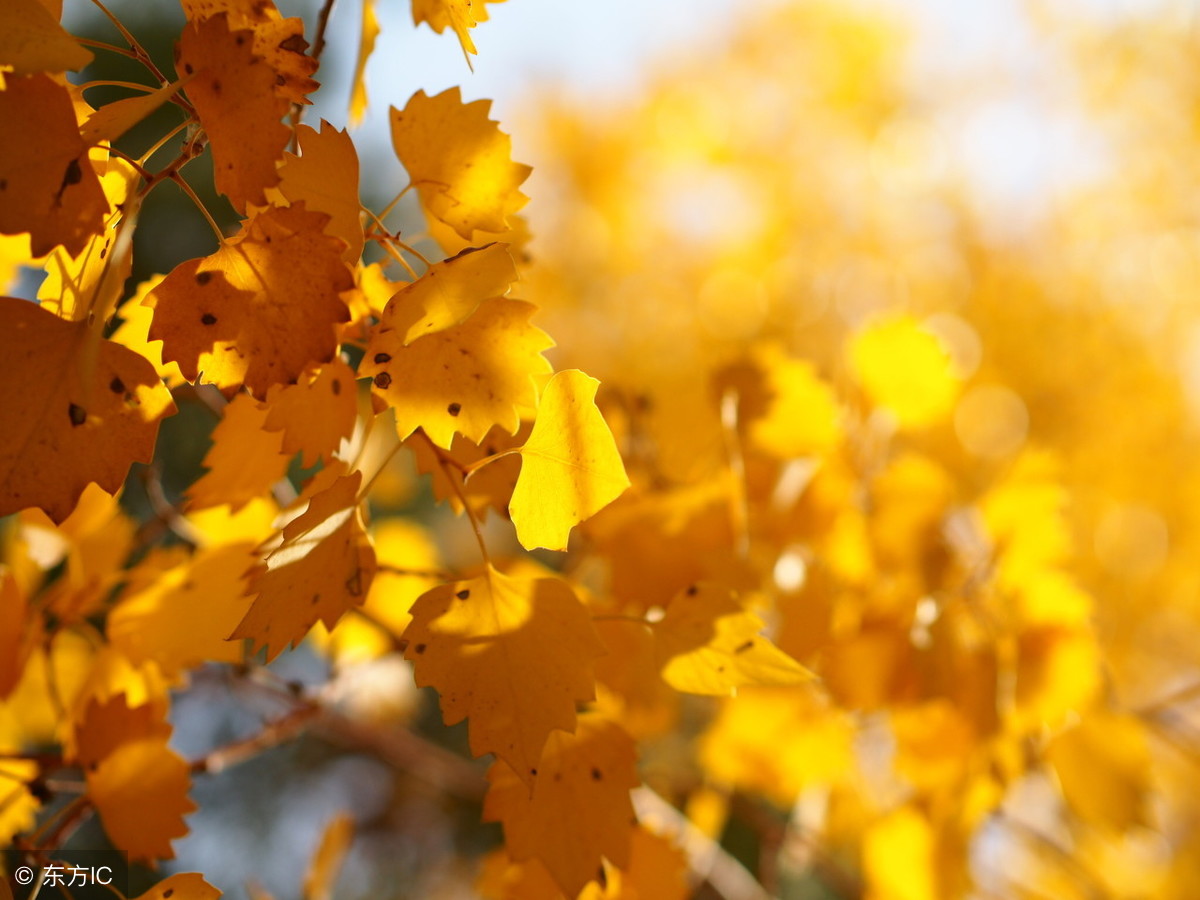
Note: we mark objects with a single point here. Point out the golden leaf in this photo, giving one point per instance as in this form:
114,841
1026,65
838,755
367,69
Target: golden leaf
182,886
708,644
65,424
325,178
323,567
244,461
32,41
570,466
464,379
47,184
459,161
261,309
514,655
449,292
459,15
315,413
590,771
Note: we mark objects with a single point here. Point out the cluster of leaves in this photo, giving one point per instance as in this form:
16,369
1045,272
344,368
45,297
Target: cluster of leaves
309,355
922,448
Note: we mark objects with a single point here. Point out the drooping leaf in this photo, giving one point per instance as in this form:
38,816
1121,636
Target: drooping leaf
449,292
323,567
71,416
112,120
325,178
368,32
244,460
511,655
134,332
459,15
47,185
570,466
707,643
277,40
459,161
463,379
32,41
261,309
234,92
592,770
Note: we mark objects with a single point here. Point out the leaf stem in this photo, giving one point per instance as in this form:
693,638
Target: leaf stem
471,468
132,85
445,459
387,209
187,189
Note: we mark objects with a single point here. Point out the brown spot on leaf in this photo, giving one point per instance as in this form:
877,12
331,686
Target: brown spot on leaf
354,583
78,414
187,67
316,598
692,590
383,381
420,648
463,594
117,386
337,387
744,647
381,358
168,892
209,319
295,43
597,775
203,278
454,409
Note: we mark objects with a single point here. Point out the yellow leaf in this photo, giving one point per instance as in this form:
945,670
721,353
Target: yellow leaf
183,617
65,423
18,805
449,292
1105,768
903,367
325,178
20,631
459,15
140,791
49,186
708,644
182,886
261,309
513,654
134,332
589,772
459,161
368,32
244,460
323,869
32,41
464,379
570,466
91,282
323,567
315,413
114,119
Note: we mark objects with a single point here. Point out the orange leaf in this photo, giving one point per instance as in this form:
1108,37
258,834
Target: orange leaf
65,423
244,460
513,654
182,886
31,40
47,185
579,812
325,179
261,309
316,412
323,567
234,93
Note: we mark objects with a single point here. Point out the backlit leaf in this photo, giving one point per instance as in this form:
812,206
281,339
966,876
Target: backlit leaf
325,178
67,421
261,309
511,655
459,161
244,460
32,41
570,466
182,886
323,567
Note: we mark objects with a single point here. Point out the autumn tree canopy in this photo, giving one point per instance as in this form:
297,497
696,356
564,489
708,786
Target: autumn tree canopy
762,519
